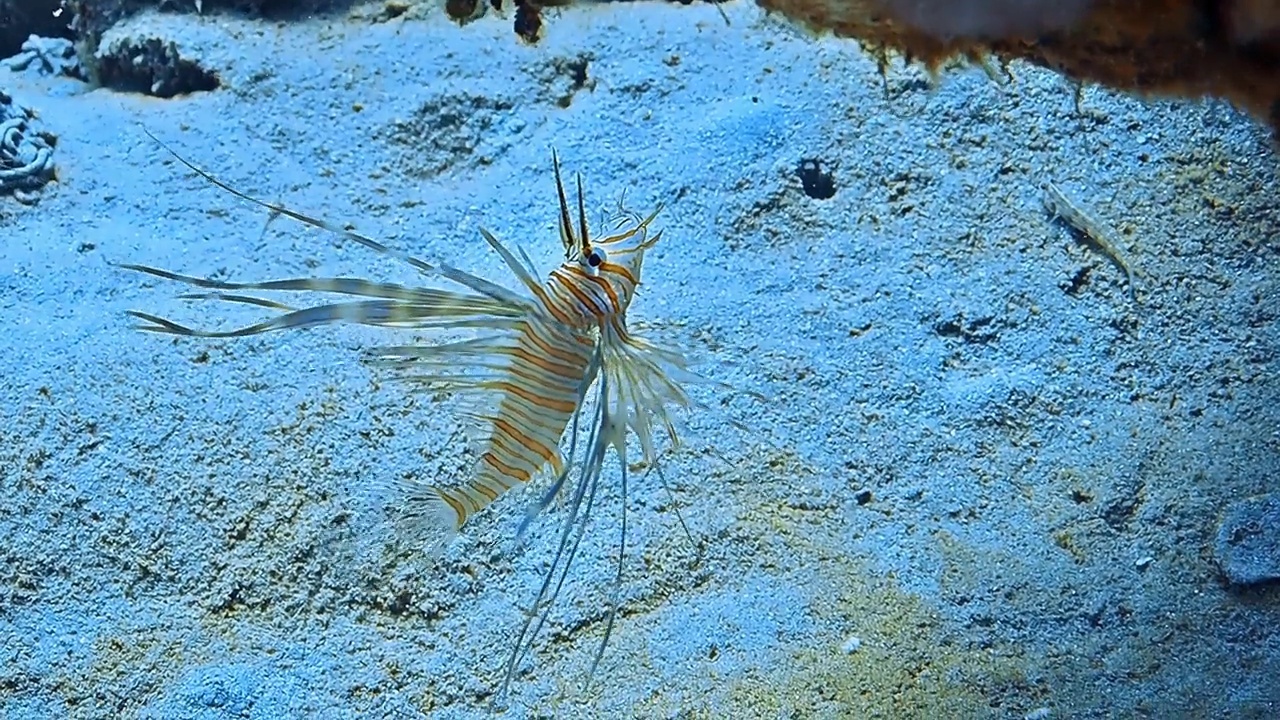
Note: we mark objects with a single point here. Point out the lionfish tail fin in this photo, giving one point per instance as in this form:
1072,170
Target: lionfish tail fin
420,517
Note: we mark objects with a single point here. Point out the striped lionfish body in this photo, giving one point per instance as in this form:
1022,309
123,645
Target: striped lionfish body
577,313
544,368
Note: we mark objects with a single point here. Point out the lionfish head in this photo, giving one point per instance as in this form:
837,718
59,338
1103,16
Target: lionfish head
616,258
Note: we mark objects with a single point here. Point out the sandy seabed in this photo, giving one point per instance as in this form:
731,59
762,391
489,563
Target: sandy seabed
987,481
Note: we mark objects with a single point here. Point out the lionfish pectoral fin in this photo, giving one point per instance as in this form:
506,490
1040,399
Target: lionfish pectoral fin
366,312
671,372
384,305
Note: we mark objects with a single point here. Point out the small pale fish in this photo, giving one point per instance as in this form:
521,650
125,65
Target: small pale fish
1060,206
558,356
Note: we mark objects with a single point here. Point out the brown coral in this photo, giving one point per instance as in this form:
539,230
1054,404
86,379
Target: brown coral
1184,48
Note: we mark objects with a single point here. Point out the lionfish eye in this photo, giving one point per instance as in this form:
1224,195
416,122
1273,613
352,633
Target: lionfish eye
597,257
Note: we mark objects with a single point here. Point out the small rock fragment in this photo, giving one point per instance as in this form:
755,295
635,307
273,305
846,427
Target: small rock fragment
1248,542
851,645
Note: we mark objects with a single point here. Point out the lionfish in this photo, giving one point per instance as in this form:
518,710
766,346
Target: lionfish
538,365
